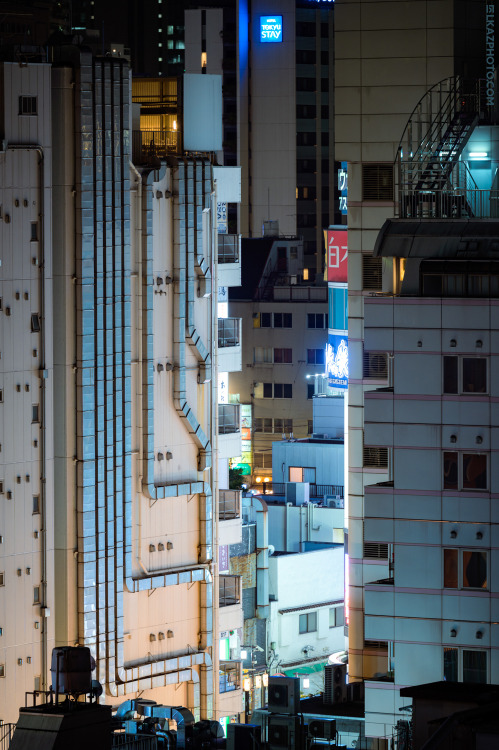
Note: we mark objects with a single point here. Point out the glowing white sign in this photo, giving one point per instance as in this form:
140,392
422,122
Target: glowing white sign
337,361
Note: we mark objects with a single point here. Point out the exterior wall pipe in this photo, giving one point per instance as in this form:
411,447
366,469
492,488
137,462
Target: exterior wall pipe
262,560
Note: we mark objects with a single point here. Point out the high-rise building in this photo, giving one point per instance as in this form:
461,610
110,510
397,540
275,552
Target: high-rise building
411,118
108,330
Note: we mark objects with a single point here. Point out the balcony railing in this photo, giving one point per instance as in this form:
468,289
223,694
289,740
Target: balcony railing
228,419
229,591
229,332
126,741
228,248
148,145
316,490
449,203
229,676
6,734
297,293
229,504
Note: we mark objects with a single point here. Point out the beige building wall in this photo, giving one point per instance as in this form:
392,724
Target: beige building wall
387,55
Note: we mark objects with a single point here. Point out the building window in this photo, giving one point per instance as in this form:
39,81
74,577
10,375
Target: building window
262,355
282,426
465,375
317,320
377,182
308,623
372,273
465,569
282,320
302,474
262,460
27,105
272,320
36,504
458,278
336,617
277,390
465,665
283,356
464,471
35,413
2,670
316,357
2,578
310,429
310,390
34,231
263,425
36,595
35,323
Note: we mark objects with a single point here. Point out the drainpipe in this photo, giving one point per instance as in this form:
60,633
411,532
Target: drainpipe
262,560
43,435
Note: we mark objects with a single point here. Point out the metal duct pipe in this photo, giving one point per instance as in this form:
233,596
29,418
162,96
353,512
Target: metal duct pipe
262,560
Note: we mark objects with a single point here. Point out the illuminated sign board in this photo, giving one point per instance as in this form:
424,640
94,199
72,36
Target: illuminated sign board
271,28
343,187
337,360
489,52
337,255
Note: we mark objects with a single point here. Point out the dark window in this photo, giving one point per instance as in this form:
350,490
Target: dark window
316,320
308,623
474,666
35,323
35,413
287,320
450,375
278,320
305,111
316,356
27,105
305,28
34,231
325,111
372,269
305,56
450,470
278,390
451,576
474,471
474,569
377,182
36,504
288,390
305,84
283,425
265,320
324,57
283,356
267,390
310,428
474,375
310,390
450,664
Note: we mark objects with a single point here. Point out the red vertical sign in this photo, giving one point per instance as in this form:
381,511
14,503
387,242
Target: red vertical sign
337,255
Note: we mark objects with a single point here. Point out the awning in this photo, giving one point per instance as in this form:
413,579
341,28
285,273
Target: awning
305,669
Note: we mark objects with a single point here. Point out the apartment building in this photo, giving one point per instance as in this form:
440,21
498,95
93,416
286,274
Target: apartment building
399,68
109,416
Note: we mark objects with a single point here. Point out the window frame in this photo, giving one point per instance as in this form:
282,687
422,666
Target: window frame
460,482
309,629
459,666
460,359
316,317
23,105
338,608
459,570
314,353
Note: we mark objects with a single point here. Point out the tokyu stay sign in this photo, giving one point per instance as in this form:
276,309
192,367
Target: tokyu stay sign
271,28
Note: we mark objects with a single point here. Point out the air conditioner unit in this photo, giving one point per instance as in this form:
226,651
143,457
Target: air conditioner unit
324,729
243,736
235,654
284,695
335,685
334,501
284,733
71,669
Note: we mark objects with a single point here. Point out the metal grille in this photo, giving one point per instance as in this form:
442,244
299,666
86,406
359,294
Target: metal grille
127,741
375,551
375,365
372,277
6,733
377,182
376,457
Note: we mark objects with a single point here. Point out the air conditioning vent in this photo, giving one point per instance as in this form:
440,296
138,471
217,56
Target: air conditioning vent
375,457
376,365
335,685
375,551
372,273
284,695
377,182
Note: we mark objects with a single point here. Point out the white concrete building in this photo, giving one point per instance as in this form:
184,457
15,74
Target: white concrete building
306,613
390,59
109,414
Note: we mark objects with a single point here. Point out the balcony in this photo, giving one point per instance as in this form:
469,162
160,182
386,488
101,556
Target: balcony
229,678
229,431
316,491
229,344
229,260
229,592
148,146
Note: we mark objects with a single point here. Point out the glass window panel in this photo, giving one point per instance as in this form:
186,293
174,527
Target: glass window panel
312,622
474,375
278,390
267,424
450,375
287,320
474,471
340,616
257,424
267,390
474,666
332,617
288,390
450,664
303,624
295,474
474,569
277,320
265,320
450,568
450,470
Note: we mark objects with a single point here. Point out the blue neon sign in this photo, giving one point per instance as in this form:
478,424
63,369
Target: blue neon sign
271,28
337,360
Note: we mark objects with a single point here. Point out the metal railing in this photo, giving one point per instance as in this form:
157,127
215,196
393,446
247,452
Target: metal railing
228,418
297,293
315,491
6,733
126,741
229,590
229,332
229,678
229,504
228,248
154,144
452,203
